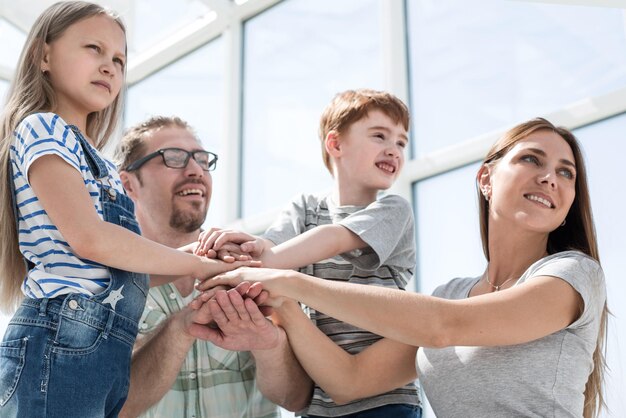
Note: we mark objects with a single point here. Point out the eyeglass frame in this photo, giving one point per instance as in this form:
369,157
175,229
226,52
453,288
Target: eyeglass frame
137,164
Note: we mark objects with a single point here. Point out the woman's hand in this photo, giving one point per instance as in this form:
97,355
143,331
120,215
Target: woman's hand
212,267
271,280
235,277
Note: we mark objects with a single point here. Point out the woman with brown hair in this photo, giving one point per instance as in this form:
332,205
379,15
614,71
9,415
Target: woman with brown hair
526,338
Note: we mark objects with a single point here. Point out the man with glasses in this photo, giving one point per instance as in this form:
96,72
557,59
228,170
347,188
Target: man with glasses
167,173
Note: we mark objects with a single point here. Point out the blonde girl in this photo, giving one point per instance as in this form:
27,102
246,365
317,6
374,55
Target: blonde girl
70,250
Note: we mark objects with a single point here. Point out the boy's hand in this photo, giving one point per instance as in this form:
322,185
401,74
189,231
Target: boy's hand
232,241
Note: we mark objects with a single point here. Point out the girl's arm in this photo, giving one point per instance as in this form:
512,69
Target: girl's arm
380,368
62,193
520,314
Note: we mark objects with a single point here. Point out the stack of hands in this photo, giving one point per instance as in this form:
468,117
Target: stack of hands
233,307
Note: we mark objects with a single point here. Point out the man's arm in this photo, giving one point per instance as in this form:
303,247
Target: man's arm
157,359
281,378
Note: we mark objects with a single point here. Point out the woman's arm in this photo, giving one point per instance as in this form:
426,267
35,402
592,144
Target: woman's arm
520,314
62,193
384,366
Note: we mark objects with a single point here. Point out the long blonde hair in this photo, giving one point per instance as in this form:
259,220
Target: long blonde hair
31,92
578,233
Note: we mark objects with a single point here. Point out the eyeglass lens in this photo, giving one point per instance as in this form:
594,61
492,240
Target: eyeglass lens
178,158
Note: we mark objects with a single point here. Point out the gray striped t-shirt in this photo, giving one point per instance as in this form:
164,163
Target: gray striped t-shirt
386,225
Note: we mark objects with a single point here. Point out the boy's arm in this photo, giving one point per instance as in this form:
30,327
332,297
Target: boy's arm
312,246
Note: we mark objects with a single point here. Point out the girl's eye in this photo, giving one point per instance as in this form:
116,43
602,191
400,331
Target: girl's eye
119,61
94,47
379,136
402,144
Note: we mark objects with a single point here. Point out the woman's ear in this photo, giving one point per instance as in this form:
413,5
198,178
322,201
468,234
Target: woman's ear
332,144
484,181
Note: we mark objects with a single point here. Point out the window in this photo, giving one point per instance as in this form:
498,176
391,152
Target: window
297,56
483,65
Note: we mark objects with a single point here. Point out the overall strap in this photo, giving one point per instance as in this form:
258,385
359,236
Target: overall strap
97,166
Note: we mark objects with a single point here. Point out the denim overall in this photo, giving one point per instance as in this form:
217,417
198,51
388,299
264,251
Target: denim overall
69,356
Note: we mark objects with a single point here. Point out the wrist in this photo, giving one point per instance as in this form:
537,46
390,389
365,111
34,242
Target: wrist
179,326
287,314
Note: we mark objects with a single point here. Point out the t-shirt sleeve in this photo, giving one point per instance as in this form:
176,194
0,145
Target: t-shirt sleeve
386,226
290,222
42,134
585,275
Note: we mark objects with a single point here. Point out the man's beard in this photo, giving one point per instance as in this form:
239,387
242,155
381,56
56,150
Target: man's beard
188,220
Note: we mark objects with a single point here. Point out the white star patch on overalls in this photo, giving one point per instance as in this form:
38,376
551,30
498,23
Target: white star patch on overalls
114,297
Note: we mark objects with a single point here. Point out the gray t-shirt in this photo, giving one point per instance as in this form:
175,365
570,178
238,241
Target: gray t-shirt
542,378
386,225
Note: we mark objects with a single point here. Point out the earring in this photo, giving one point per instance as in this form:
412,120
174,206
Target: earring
563,223
485,194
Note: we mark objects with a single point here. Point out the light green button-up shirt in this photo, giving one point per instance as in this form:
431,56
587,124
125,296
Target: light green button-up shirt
212,382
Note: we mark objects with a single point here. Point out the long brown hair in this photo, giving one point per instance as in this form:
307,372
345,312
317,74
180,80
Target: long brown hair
578,233
32,92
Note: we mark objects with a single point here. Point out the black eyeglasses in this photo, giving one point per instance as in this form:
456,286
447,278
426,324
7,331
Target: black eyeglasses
178,158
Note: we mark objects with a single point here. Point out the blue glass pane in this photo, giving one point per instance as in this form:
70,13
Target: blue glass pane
4,87
12,43
297,56
604,147
481,65
154,20
448,236
191,88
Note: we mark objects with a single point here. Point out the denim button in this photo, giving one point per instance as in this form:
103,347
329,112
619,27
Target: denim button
73,304
172,296
143,325
192,375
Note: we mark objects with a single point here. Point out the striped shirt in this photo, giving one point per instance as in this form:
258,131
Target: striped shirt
386,225
57,269
212,382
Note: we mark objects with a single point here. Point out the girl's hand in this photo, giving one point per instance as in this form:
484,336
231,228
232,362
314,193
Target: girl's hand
210,267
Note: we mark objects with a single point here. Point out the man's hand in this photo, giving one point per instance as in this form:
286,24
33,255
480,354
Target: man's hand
242,325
